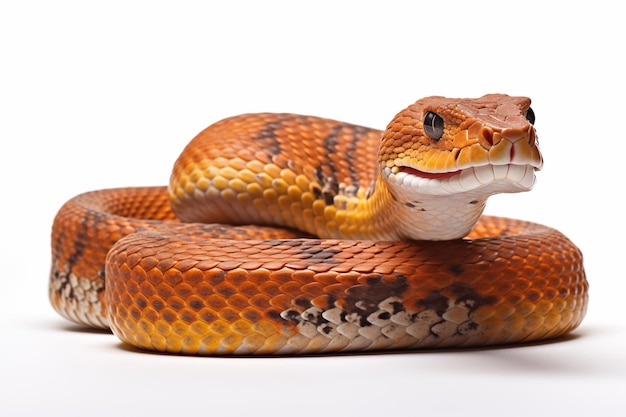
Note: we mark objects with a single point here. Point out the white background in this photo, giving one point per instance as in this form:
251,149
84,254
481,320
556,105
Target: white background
95,96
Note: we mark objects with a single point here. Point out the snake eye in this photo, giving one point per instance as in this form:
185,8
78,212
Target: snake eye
530,116
433,125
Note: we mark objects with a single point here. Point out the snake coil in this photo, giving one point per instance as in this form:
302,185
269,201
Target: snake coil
283,234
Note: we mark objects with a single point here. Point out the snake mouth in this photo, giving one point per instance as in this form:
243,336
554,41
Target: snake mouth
428,175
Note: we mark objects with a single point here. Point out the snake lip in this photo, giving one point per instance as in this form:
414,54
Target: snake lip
429,175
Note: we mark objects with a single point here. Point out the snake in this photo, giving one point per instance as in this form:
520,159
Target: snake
284,234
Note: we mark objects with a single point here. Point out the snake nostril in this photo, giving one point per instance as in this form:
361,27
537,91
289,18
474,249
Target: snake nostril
486,137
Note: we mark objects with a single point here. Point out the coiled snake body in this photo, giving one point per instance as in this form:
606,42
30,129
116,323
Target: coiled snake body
405,259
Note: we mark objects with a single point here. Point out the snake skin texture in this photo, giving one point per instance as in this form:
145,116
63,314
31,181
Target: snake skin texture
289,234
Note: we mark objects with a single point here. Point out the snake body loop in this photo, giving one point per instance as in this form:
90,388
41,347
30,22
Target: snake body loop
225,260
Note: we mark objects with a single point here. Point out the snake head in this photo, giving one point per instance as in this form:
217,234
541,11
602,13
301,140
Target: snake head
441,146
442,158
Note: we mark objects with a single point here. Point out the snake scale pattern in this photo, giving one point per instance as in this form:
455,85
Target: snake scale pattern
290,234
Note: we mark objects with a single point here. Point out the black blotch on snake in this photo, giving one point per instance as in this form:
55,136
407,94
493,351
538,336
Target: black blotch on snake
364,299
268,140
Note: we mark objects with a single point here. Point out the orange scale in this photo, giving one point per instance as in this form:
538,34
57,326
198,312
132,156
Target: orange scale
195,302
291,289
150,314
229,314
251,314
269,288
314,289
207,315
132,260
364,268
125,299
176,303
188,315
282,302
172,277
251,265
296,265
185,264
184,290
238,301
259,276
248,289
193,277
281,276
164,290
337,290
140,300
205,265
321,267
323,302
348,279
260,301
326,278
304,276
384,269
156,302
146,288
134,312
225,289
236,276
131,285
274,265
228,265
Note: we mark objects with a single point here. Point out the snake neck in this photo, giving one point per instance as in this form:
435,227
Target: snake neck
390,215
437,163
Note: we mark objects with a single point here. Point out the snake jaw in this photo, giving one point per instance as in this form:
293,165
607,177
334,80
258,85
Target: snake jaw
504,167
484,180
446,206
